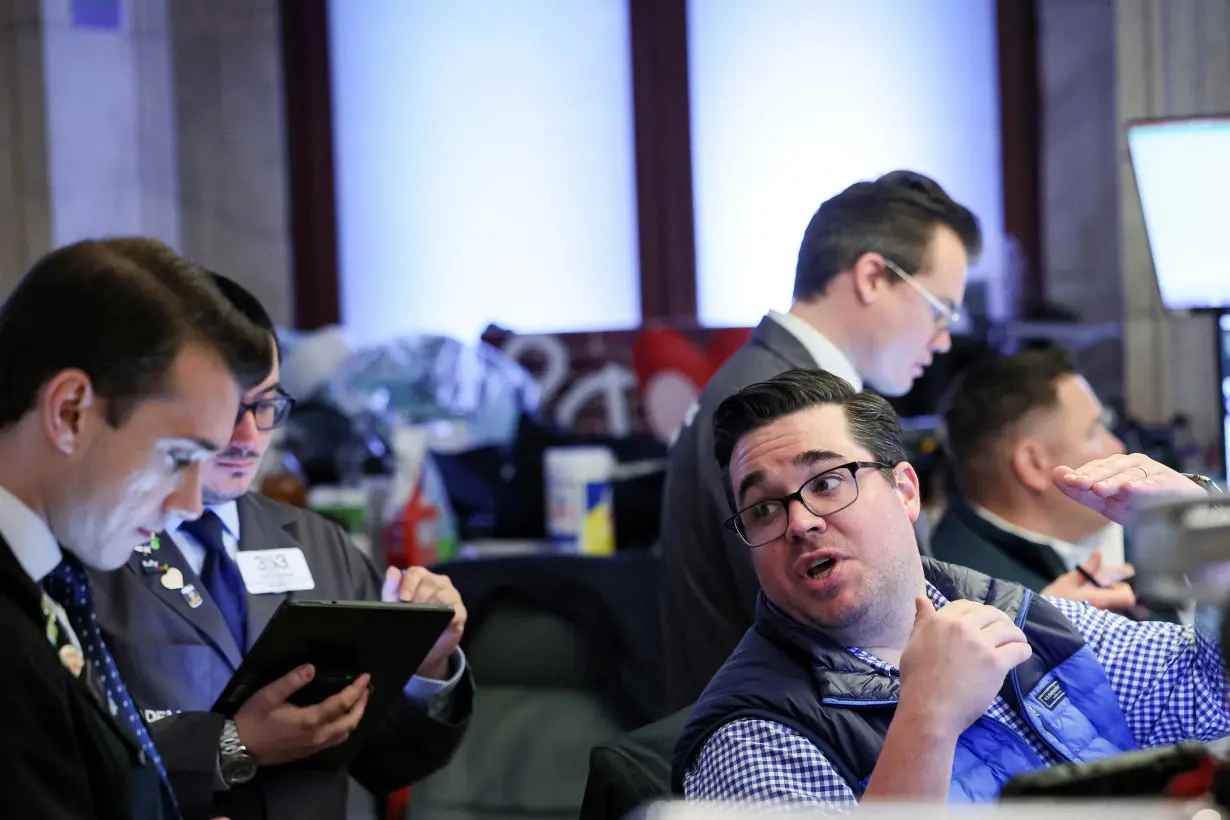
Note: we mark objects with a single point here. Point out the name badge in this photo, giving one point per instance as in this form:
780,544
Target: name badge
269,571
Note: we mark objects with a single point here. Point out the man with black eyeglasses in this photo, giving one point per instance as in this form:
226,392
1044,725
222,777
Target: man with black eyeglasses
878,288
187,606
872,673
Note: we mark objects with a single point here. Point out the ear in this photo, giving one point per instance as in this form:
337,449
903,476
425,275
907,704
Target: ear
64,405
1030,465
908,489
868,278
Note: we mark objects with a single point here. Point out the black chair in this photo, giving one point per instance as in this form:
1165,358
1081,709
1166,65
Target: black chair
563,651
632,770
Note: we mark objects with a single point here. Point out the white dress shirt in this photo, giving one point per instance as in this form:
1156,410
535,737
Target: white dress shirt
826,354
433,693
35,548
29,537
1109,538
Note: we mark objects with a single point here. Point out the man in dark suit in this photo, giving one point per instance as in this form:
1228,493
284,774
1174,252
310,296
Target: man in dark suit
122,369
1010,421
179,642
880,280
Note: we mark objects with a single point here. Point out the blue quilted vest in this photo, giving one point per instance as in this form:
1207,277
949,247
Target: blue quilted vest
784,672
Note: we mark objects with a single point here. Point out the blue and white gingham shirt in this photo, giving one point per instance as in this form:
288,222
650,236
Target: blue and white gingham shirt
1169,680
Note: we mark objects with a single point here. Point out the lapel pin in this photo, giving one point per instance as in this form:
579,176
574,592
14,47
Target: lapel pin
173,578
72,659
191,596
153,543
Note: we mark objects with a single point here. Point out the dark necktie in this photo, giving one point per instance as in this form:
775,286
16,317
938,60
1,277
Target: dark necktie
220,575
69,586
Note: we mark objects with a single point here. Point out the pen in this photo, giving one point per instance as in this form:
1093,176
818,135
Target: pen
1089,577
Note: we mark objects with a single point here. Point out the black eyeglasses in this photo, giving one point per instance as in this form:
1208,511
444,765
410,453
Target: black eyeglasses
824,494
270,412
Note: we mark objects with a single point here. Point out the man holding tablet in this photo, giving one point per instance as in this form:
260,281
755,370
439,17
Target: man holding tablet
122,369
183,612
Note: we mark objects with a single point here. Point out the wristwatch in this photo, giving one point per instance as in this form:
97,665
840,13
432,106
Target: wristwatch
236,764
1204,482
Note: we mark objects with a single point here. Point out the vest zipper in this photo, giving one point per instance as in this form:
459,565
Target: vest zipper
1032,719
856,702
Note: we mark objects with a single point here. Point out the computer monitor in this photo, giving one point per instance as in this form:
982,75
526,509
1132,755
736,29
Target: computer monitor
1182,169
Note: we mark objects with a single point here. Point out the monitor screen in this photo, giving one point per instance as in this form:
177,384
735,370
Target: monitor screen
1182,172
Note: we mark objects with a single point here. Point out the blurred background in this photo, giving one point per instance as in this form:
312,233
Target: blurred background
494,228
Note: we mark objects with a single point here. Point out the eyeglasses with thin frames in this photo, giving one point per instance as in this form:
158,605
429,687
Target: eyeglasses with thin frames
823,494
946,315
270,412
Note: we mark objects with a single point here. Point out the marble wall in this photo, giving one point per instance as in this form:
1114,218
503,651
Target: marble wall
1080,174
232,150
25,208
1173,59
163,119
1102,64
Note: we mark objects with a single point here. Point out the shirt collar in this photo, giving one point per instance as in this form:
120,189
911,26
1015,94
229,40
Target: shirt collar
826,354
228,514
29,537
1072,555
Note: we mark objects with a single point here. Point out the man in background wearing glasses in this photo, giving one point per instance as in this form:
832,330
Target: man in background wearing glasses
874,673
879,283
182,613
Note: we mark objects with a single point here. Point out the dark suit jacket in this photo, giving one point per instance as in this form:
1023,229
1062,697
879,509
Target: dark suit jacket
708,584
61,754
177,659
964,537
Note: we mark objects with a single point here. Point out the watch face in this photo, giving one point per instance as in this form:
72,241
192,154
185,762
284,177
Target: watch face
239,769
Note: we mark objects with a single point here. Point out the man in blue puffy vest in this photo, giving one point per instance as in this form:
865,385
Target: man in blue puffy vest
872,673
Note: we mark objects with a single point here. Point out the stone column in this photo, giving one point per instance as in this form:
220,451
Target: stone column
1080,174
1173,59
155,117
110,122
25,207
231,144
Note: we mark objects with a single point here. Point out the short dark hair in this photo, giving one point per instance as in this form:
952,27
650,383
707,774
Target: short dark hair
247,304
989,400
895,215
872,421
121,310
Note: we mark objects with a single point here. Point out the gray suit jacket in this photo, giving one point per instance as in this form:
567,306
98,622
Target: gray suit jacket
176,661
708,584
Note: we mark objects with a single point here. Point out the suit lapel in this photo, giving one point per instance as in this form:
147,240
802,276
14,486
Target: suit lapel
27,595
772,336
260,530
206,618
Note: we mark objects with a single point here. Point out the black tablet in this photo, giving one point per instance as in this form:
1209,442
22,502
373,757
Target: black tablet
342,639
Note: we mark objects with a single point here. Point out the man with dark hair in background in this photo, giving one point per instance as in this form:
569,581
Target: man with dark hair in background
122,369
178,651
874,673
1010,421
879,284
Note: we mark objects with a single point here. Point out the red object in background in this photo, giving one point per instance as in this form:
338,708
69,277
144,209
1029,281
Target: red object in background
395,804
671,370
405,544
1196,783
663,349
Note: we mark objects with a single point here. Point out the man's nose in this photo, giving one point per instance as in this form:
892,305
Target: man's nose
185,502
801,521
245,431
942,343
